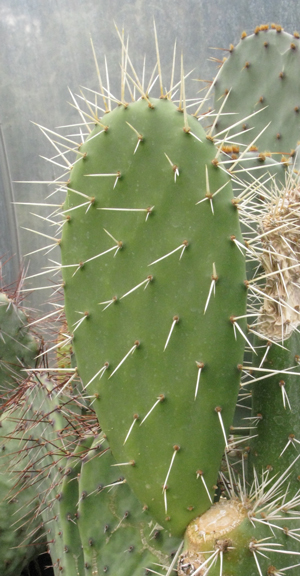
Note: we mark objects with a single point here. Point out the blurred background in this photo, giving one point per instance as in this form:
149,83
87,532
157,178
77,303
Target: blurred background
46,48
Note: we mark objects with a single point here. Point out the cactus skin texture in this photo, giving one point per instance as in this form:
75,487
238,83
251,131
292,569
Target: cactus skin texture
261,74
18,347
275,404
77,501
118,536
18,543
44,449
154,266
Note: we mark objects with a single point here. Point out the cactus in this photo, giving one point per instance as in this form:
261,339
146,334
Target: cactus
118,535
153,264
259,83
18,346
164,233
86,512
46,461
21,531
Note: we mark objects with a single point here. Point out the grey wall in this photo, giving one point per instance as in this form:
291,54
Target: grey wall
45,47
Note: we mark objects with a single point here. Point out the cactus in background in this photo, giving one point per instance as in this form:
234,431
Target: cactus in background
21,531
47,461
18,346
160,282
260,534
259,83
85,511
117,533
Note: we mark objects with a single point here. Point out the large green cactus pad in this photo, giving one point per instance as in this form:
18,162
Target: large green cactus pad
153,272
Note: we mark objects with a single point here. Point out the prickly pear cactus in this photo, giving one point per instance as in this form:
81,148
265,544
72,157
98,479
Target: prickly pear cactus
72,497
118,535
47,462
154,284
260,77
18,346
22,535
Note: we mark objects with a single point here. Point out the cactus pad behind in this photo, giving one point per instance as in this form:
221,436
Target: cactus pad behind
260,75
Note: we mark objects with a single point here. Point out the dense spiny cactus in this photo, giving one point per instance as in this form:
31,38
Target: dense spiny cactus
18,346
260,76
118,535
21,531
47,461
87,515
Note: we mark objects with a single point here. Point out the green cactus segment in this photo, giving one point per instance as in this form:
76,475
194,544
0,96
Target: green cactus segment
246,538
22,535
275,406
154,274
261,75
68,512
118,536
50,467
58,488
18,347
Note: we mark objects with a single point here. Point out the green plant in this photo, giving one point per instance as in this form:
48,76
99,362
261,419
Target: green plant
154,270
18,345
